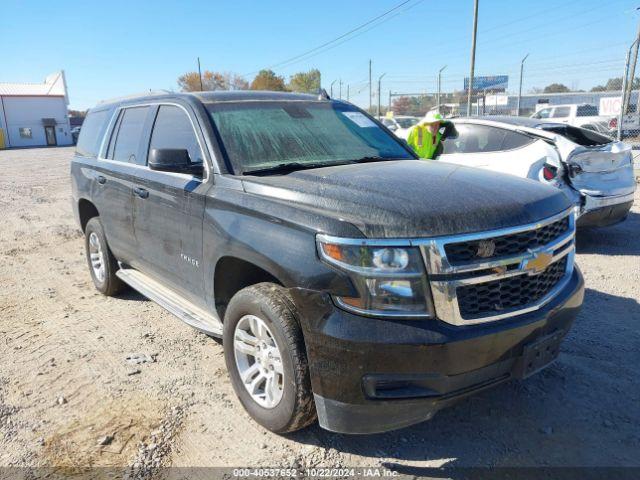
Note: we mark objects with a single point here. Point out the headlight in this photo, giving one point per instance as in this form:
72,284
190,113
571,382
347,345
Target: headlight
390,279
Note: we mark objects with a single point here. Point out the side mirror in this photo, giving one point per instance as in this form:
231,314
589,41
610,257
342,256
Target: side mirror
173,160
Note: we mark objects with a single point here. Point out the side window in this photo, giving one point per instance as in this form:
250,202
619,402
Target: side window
173,129
125,141
474,139
544,113
561,112
514,140
91,133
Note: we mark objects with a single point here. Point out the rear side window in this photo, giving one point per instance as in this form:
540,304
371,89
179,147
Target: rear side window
561,112
173,129
91,133
587,111
126,141
482,139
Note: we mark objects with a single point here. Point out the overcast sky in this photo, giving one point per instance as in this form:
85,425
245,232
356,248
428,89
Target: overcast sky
112,48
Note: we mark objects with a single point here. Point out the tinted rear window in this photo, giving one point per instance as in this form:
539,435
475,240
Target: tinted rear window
587,111
91,133
469,138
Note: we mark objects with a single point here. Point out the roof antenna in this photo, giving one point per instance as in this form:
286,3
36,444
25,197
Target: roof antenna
323,95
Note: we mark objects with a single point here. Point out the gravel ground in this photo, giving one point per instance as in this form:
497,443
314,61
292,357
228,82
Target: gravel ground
69,398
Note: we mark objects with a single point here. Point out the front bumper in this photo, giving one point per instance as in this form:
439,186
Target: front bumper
604,211
373,375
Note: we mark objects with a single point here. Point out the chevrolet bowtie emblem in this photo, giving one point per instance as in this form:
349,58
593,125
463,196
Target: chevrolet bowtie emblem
538,263
485,248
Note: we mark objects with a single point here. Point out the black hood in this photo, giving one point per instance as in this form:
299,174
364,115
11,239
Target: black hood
414,198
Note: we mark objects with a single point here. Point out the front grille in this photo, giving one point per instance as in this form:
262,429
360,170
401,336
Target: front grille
494,297
516,243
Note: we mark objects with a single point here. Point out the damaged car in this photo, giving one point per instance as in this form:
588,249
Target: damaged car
595,171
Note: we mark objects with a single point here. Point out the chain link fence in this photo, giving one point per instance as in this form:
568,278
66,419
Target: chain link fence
597,111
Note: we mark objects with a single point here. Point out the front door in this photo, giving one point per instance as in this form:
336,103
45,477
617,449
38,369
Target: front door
50,134
168,210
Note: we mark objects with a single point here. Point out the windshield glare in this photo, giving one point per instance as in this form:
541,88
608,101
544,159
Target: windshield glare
264,135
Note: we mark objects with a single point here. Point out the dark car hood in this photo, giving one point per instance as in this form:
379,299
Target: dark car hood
414,198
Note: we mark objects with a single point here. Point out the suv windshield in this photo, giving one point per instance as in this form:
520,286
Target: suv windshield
263,136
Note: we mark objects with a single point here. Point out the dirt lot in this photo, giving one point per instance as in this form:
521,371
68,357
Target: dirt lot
66,385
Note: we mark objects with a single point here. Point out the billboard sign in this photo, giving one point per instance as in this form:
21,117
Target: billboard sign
494,82
610,106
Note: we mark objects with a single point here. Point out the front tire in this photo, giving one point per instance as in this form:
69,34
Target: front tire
102,264
266,358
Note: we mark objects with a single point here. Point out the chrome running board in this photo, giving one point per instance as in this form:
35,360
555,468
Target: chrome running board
192,315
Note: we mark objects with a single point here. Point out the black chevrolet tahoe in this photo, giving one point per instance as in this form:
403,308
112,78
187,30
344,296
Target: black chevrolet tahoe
349,280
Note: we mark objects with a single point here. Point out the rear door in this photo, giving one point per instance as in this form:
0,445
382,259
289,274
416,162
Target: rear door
168,208
497,149
561,114
115,175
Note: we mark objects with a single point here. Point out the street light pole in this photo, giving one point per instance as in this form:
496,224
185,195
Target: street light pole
626,95
347,92
473,55
199,73
625,81
331,87
379,91
520,90
370,106
440,85
340,90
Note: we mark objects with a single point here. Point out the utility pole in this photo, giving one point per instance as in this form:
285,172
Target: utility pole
347,92
625,82
379,91
370,106
340,95
389,105
200,74
473,55
520,90
440,86
331,88
632,72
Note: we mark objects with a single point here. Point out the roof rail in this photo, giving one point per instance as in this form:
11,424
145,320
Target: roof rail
148,93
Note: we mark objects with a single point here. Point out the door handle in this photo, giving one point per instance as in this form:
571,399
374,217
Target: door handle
141,192
101,180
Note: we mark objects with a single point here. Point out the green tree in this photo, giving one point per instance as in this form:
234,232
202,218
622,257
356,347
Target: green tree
268,80
556,88
190,81
615,84
305,82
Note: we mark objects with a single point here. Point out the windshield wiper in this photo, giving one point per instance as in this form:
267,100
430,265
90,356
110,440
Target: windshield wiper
371,159
285,167
293,166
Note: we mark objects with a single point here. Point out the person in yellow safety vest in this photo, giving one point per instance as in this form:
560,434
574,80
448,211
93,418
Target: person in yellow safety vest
425,136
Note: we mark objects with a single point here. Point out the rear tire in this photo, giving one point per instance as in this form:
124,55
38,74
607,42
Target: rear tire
264,345
102,264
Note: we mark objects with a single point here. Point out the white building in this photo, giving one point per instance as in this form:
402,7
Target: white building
35,114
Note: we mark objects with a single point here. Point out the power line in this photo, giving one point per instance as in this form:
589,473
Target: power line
353,30
371,27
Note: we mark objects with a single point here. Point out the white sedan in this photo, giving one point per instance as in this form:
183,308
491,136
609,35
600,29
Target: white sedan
595,171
